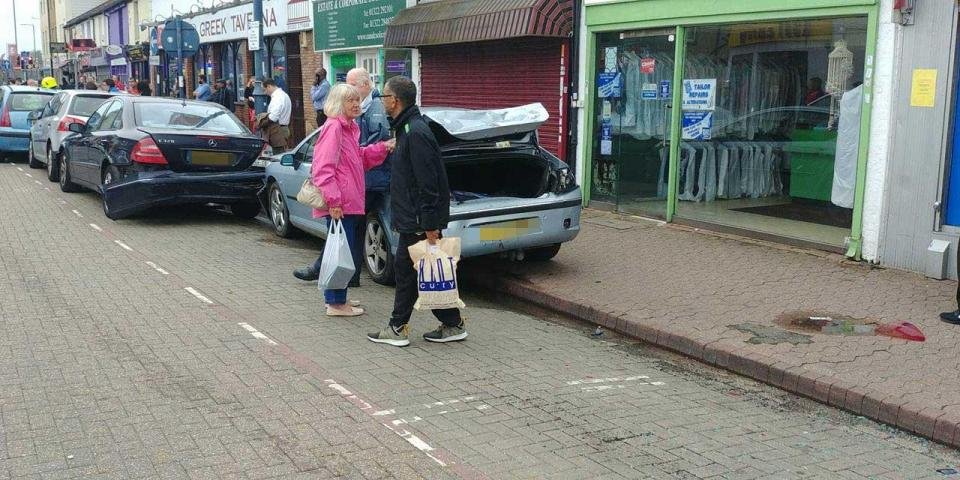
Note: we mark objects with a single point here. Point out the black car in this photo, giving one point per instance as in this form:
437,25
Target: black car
141,152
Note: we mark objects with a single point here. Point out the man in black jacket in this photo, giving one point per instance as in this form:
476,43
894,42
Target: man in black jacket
420,207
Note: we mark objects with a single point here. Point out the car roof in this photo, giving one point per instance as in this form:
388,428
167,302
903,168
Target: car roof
24,88
92,93
171,101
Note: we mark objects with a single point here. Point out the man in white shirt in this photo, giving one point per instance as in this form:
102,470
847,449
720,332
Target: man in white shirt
278,112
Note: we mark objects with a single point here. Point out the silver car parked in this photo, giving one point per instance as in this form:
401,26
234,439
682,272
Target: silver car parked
52,124
510,196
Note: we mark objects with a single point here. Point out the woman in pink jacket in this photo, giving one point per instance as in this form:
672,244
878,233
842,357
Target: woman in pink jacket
338,166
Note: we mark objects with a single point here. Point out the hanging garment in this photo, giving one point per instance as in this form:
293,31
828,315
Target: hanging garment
848,147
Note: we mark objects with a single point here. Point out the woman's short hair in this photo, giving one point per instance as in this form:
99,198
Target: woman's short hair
337,99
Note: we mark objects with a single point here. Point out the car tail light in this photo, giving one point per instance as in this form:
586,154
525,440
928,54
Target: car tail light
67,120
5,117
147,151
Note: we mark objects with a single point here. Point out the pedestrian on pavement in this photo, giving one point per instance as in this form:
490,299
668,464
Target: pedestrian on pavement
118,83
226,94
203,90
144,87
32,83
90,86
108,86
276,124
420,206
318,93
251,106
954,316
337,171
216,93
374,127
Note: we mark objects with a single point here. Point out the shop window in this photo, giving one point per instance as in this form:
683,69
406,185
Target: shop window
278,61
397,62
231,67
203,64
771,124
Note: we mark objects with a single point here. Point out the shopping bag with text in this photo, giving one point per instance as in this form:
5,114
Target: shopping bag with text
436,267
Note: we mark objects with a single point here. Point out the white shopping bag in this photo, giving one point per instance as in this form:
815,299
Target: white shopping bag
436,267
337,268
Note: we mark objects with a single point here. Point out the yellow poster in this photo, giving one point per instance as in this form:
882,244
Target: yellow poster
924,90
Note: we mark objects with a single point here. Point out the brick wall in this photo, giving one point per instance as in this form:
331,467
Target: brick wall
188,77
242,110
310,62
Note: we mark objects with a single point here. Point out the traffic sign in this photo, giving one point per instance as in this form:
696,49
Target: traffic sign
188,38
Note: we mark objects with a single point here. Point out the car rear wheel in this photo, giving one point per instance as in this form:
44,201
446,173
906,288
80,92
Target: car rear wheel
245,210
279,213
109,175
33,162
541,254
376,251
66,183
53,166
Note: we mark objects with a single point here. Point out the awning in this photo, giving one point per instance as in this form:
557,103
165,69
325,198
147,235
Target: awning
458,21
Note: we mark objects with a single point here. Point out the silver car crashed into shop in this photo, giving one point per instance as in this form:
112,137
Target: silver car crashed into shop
509,195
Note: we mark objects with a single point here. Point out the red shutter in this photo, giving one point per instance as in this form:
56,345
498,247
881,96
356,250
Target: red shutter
497,74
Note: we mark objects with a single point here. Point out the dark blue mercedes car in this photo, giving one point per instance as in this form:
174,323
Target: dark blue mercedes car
141,152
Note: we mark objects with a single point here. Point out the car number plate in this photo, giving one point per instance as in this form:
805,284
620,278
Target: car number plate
510,229
210,159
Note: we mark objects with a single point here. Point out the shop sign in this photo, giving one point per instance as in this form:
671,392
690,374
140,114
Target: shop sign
759,33
649,91
699,94
665,91
234,23
606,129
608,85
396,66
298,15
352,23
648,65
697,125
136,53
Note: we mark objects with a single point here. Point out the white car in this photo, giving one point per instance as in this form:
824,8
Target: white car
52,124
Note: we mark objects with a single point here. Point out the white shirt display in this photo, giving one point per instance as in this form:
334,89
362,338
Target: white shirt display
280,107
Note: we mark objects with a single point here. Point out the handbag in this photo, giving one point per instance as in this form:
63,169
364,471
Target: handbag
310,195
337,268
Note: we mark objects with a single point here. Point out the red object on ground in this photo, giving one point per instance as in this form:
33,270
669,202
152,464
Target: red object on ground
904,330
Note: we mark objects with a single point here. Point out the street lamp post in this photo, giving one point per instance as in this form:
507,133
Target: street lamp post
16,36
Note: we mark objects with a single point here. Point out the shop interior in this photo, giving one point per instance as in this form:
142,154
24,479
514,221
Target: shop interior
770,125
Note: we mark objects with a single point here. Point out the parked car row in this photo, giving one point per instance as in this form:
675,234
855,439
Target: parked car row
510,196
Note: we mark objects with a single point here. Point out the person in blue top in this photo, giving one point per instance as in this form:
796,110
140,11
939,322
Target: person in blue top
108,86
203,90
318,93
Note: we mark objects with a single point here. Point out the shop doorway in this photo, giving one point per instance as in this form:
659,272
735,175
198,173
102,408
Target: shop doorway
340,64
632,137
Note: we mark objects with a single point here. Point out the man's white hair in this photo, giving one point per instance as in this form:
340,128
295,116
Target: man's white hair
362,75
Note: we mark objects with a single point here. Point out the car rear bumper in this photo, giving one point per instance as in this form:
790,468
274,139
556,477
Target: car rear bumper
523,230
14,140
152,189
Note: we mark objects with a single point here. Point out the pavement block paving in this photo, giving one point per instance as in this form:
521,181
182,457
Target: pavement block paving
164,384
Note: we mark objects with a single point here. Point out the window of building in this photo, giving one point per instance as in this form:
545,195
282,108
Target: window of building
231,66
277,53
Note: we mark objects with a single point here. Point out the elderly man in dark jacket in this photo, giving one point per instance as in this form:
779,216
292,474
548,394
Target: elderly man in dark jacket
420,207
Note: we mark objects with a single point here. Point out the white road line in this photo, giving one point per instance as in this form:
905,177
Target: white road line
339,388
46,188
157,268
18,168
37,182
384,412
607,380
254,332
123,245
199,295
600,388
27,174
76,212
96,227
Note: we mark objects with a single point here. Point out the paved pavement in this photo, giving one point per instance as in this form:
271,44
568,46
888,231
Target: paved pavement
178,345
718,298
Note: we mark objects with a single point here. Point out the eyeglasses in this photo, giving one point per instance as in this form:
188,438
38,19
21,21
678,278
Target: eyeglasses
380,95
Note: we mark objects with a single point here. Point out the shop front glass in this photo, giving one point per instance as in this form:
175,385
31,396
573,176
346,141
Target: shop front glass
203,65
770,126
231,67
631,145
397,61
278,61
340,64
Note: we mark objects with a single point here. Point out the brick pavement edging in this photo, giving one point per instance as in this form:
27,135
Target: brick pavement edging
928,421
